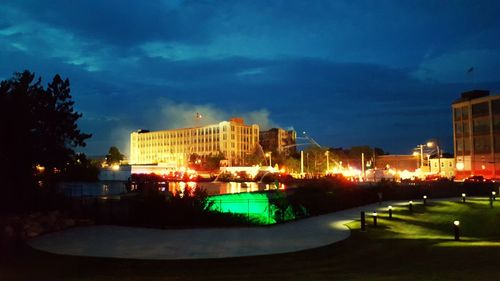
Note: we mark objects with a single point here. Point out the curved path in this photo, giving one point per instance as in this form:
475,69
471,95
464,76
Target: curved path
146,243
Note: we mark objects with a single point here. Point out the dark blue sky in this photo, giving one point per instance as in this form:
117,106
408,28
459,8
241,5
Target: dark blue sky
381,73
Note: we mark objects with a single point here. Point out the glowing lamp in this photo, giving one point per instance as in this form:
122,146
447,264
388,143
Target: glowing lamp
374,218
456,230
425,196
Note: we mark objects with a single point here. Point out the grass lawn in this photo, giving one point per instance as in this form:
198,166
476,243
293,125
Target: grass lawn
416,246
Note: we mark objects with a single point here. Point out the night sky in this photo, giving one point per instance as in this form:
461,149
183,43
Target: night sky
380,73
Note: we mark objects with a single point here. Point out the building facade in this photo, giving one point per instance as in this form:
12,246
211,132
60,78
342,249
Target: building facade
398,162
476,134
278,140
233,138
444,167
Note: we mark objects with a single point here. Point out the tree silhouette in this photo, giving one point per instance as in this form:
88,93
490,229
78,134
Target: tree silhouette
114,156
39,129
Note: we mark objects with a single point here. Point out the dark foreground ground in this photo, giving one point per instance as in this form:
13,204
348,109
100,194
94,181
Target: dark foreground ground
412,246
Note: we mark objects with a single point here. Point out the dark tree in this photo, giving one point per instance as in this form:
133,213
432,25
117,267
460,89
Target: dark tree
38,129
114,156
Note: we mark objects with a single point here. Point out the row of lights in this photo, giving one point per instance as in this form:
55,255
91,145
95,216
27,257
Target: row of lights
456,223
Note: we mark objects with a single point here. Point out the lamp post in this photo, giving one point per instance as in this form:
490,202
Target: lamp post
374,218
493,194
425,199
438,151
463,197
363,221
268,154
410,206
390,211
456,230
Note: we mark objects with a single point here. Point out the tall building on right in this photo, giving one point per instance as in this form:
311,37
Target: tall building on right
476,134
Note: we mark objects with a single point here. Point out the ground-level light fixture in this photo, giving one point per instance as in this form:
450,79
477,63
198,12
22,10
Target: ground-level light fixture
410,206
494,195
374,218
463,197
363,221
456,230
425,199
390,211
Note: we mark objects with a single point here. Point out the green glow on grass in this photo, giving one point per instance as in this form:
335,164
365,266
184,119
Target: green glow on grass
469,244
255,206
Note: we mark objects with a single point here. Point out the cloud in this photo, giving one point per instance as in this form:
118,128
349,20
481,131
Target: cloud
183,115
453,67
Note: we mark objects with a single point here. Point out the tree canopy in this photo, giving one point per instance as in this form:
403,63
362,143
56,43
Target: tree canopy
39,129
114,156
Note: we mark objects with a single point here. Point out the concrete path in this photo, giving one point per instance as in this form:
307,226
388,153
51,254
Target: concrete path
145,243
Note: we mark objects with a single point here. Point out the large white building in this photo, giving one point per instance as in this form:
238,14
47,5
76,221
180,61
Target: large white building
232,138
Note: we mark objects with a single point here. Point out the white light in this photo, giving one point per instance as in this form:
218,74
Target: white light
460,166
463,194
425,196
411,202
374,214
493,193
390,207
456,223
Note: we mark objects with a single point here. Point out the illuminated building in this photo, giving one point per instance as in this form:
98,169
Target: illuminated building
397,162
232,138
444,166
278,140
476,134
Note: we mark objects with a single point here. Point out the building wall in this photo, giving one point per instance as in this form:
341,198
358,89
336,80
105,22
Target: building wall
444,167
233,138
278,140
397,162
476,135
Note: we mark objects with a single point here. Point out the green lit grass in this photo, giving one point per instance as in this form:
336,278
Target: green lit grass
412,246
255,206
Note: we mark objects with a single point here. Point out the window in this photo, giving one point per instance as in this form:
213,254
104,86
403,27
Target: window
482,145
480,109
481,126
458,129
460,146
495,106
458,113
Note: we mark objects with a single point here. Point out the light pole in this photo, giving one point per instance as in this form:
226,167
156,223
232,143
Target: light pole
438,151
327,153
269,155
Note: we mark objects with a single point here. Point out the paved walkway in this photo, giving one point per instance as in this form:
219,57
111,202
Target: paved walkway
145,243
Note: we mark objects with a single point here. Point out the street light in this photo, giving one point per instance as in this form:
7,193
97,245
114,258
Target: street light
456,229
390,211
438,151
374,218
268,154
425,199
463,197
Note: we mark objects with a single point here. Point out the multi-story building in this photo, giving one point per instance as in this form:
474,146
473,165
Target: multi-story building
476,134
232,138
442,166
278,140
